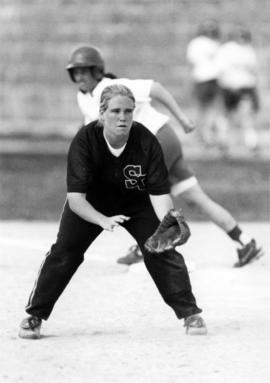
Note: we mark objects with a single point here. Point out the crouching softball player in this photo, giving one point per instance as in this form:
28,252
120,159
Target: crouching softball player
116,175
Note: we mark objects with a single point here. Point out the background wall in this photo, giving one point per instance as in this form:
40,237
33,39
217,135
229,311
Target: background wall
140,39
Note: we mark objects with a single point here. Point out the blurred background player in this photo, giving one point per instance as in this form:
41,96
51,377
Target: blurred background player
238,77
86,68
201,55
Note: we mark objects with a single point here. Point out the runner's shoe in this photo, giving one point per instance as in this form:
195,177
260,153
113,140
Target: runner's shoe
249,253
195,325
30,328
133,256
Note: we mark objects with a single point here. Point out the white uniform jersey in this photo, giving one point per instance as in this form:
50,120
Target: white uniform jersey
143,113
201,52
237,65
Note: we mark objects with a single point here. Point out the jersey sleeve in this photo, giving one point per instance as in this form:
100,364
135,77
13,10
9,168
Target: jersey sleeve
157,180
79,169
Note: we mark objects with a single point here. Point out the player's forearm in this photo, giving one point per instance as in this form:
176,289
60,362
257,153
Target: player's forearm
161,204
163,96
80,206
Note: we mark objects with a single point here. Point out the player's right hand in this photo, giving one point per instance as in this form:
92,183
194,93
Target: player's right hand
188,126
109,223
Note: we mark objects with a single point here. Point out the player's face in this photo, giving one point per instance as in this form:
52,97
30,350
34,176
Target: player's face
118,117
83,77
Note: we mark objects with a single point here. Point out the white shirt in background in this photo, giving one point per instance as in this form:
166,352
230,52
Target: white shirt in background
201,53
237,66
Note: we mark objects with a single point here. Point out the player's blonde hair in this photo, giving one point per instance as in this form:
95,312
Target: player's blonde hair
112,91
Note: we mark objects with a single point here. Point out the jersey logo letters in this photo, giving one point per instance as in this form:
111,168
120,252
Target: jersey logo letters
134,177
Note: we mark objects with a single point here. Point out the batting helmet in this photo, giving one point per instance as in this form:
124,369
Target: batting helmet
87,56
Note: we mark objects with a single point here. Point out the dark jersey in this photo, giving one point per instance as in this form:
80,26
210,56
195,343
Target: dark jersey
119,185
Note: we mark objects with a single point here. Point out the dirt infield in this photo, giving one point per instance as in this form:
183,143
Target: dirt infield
110,325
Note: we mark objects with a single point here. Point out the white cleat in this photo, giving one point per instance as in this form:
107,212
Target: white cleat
195,325
30,328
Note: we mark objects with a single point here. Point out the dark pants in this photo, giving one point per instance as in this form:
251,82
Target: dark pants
75,235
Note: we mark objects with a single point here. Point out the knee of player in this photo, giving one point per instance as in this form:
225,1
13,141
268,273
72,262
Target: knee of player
192,203
195,197
191,200
66,254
